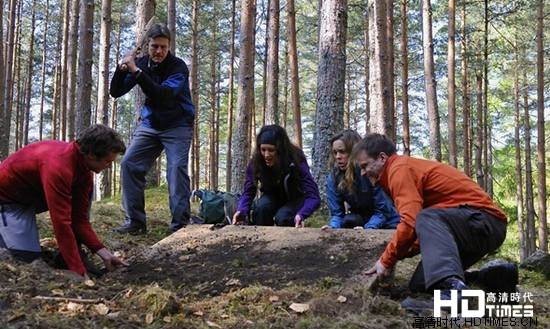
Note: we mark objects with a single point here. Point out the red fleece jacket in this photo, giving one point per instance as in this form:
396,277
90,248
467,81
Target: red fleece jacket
415,184
52,175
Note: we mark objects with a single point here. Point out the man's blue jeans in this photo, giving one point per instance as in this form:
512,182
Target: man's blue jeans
145,147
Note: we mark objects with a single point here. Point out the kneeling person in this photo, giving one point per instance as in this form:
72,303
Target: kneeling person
56,176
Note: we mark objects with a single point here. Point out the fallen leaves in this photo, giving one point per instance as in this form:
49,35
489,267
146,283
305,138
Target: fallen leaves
101,309
299,307
341,299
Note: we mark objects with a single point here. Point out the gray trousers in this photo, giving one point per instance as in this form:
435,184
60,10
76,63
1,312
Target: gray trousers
452,240
145,147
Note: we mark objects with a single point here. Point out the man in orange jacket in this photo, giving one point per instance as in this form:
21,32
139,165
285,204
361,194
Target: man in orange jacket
445,216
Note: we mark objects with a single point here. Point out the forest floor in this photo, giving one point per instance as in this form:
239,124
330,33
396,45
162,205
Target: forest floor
228,277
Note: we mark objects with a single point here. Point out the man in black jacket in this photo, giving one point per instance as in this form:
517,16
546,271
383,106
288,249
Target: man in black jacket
165,123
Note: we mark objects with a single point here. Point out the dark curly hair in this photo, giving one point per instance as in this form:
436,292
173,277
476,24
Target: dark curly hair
286,151
100,140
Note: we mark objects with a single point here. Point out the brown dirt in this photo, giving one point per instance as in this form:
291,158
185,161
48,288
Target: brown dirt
229,277
199,275
216,260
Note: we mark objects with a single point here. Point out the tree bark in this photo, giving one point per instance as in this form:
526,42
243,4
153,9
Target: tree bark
480,176
294,74
331,76
172,25
523,253
541,139
430,82
530,235
72,68
62,113
405,78
103,180
229,156
8,82
451,93
245,94
30,73
379,97
367,66
4,137
465,96
105,47
272,73
390,130
486,138
214,110
194,77
85,58
43,72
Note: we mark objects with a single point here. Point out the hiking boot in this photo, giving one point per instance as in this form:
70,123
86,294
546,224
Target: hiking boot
446,286
131,228
497,278
417,306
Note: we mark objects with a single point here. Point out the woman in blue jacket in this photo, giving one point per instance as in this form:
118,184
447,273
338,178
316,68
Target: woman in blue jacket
280,171
361,205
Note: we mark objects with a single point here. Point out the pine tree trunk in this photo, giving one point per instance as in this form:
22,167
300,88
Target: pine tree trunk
103,178
172,25
486,165
541,139
4,137
530,235
245,94
194,76
479,133
379,76
72,68
8,82
430,82
294,74
405,79
62,113
272,73
229,156
523,252
465,96
214,110
30,73
367,67
85,58
43,72
451,66
390,130
331,76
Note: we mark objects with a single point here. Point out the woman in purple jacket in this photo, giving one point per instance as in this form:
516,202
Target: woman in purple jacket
280,171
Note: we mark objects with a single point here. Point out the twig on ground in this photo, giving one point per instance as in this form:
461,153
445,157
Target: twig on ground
74,300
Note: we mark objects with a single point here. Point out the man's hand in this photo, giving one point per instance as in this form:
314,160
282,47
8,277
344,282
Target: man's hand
379,270
111,261
127,63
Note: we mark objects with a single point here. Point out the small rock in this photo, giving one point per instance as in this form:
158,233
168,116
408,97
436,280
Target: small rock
539,261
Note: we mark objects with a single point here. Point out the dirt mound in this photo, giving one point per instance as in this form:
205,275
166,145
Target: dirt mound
238,256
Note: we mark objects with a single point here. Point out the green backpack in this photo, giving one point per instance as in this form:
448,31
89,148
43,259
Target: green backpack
216,206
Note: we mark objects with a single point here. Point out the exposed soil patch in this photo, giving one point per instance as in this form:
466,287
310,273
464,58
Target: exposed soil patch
231,277
233,256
